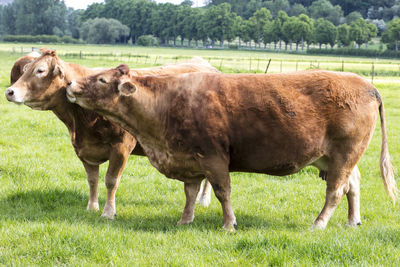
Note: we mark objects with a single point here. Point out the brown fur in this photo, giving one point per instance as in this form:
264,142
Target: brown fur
203,124
94,138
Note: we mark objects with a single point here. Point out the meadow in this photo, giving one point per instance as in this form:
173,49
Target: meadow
44,192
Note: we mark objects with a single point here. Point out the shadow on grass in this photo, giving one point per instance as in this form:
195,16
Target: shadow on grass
69,206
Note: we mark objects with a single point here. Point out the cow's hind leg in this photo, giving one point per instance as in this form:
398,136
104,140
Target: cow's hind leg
92,172
204,196
218,175
337,185
116,165
353,198
191,191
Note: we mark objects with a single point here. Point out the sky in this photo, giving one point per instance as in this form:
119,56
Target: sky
82,4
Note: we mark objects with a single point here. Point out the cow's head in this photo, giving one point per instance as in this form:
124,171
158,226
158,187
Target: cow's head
102,90
40,83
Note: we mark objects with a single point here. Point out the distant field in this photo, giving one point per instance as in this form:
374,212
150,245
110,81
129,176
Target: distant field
43,195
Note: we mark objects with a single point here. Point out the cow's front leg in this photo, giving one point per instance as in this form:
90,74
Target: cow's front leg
117,162
92,173
191,191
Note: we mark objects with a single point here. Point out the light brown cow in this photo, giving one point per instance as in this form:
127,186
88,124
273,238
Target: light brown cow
95,139
204,124
18,67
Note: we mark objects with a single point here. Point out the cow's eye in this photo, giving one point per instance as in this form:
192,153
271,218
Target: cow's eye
40,70
102,80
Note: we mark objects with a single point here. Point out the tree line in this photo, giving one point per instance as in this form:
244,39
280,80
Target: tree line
281,22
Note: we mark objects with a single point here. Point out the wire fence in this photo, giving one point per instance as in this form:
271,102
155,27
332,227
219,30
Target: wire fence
257,64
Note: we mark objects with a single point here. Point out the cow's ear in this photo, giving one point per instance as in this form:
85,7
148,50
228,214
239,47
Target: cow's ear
59,70
26,67
127,88
123,69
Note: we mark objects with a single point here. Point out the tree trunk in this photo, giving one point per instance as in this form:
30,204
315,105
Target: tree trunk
212,43
221,43
197,43
397,44
239,43
189,41
204,43
174,38
302,44
280,45
290,45
320,46
297,46
181,42
274,46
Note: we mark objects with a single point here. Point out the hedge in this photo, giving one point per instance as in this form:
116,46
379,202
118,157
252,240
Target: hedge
40,39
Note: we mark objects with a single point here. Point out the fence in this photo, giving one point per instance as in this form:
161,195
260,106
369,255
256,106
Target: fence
258,64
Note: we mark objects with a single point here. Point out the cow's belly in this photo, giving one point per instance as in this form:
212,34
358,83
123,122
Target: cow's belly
93,154
175,165
275,159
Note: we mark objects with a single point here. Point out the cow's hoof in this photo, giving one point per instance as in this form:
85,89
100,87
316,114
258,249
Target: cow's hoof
108,213
353,224
229,228
185,221
318,226
92,206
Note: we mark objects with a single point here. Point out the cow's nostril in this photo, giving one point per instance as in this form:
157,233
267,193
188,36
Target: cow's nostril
69,83
10,92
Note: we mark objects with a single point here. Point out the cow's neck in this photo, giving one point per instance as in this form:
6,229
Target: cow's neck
70,114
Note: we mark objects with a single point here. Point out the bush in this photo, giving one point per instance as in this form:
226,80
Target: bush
39,39
147,40
355,52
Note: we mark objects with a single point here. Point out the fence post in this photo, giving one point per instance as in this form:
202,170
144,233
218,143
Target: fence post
220,64
80,54
372,72
155,61
250,65
281,66
342,65
266,69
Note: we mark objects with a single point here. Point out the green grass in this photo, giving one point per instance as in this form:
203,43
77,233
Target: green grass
43,195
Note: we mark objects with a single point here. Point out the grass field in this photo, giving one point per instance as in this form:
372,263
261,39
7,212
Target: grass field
43,195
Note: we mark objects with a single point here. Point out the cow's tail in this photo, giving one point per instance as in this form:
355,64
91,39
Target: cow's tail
385,162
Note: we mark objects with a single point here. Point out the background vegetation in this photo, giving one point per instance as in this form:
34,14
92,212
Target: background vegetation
44,192
280,24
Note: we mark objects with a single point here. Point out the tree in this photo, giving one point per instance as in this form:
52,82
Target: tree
392,33
297,9
219,22
164,21
277,26
324,9
94,10
298,29
277,5
103,31
259,20
362,32
325,32
353,16
344,35
73,22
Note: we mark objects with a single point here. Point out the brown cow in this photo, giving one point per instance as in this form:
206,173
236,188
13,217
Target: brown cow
18,68
204,124
95,139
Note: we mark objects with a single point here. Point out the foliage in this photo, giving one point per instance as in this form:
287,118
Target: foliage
325,32
103,31
392,34
147,40
324,9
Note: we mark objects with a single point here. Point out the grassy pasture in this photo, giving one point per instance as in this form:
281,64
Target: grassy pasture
43,195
